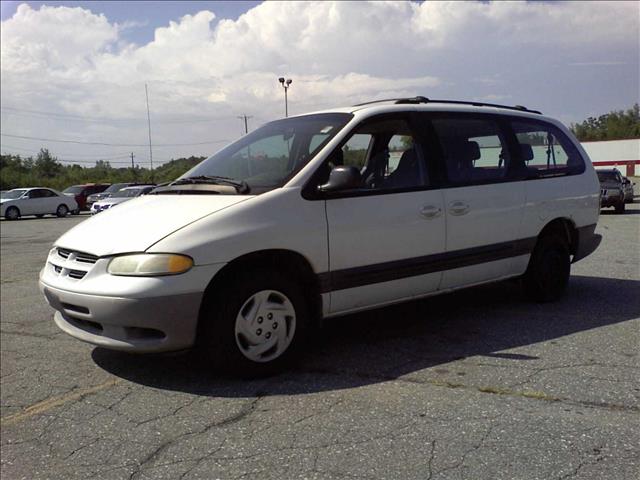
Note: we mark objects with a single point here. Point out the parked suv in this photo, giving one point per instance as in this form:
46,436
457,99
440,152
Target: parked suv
81,192
324,214
611,189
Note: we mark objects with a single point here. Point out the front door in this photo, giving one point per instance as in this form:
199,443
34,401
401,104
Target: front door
383,235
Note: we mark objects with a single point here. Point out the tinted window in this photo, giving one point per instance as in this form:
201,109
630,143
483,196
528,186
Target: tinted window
385,153
546,150
474,150
41,193
608,176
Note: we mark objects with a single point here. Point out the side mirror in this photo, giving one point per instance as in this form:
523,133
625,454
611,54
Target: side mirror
342,177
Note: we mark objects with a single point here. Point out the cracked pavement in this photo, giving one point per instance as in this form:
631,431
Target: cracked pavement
478,384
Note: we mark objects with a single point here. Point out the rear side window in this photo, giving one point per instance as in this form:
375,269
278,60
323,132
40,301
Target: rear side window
474,149
545,150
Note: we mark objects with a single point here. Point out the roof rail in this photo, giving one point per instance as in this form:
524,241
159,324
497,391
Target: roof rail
520,108
420,99
377,101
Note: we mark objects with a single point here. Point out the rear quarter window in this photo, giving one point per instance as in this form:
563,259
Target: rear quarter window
545,150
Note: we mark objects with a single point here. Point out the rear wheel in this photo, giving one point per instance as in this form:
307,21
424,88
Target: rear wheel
255,326
620,207
62,210
12,213
549,268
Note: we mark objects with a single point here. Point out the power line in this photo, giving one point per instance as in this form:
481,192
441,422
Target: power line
112,144
97,157
68,116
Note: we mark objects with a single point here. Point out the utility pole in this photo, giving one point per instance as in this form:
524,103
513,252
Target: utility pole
285,84
133,168
146,92
246,125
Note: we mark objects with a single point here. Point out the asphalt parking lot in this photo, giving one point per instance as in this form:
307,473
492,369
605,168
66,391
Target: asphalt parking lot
478,384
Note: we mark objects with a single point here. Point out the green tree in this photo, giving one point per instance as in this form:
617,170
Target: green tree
46,165
615,125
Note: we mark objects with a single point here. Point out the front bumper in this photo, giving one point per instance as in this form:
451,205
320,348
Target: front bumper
137,314
154,324
607,200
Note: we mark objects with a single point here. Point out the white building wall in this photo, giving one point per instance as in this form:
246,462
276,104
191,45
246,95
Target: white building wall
614,151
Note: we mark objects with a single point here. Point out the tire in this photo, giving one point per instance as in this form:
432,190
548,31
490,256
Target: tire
620,207
12,213
549,269
75,212
235,338
62,210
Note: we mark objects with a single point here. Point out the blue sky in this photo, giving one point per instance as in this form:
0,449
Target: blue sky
148,15
77,70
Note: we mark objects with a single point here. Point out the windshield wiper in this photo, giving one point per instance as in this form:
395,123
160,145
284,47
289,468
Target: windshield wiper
240,185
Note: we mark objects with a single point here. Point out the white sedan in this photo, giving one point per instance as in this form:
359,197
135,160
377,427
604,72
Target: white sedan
37,201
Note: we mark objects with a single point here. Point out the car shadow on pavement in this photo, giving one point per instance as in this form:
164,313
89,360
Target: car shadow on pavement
387,343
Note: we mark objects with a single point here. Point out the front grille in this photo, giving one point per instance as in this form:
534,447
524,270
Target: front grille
76,265
77,274
81,257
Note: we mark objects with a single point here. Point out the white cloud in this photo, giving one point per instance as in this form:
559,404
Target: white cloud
72,60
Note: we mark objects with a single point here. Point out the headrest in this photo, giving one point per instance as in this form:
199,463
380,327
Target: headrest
526,151
471,151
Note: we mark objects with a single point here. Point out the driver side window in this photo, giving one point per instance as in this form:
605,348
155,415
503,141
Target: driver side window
385,153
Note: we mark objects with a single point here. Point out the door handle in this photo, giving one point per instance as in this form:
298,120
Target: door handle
430,211
458,208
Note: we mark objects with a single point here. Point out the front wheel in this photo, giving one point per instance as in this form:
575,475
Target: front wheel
256,325
12,213
62,211
547,275
620,207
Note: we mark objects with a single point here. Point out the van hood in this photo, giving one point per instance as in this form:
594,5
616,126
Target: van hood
137,224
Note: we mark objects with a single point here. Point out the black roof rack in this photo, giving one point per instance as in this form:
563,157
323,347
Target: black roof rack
420,99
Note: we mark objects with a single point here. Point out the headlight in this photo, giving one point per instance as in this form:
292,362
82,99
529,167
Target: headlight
149,264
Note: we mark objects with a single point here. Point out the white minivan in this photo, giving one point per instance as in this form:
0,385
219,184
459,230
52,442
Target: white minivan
324,214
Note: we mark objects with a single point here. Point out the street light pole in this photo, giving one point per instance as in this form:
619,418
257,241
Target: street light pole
285,84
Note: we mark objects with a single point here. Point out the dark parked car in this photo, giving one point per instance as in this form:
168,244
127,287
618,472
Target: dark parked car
611,189
91,199
81,192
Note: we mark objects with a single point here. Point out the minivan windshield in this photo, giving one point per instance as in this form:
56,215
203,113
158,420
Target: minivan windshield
269,156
